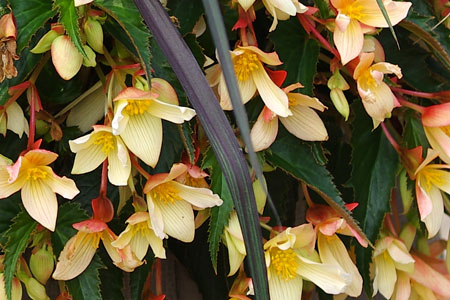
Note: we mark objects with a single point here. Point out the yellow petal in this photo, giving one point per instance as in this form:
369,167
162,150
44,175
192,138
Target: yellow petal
156,243
371,14
76,256
300,99
124,238
121,118
119,164
156,217
379,101
349,42
235,257
143,136
246,4
332,251
178,219
40,202
6,188
213,74
199,197
40,157
107,239
402,287
173,113
365,61
270,58
433,220
281,289
305,124
61,185
385,275
87,160
263,133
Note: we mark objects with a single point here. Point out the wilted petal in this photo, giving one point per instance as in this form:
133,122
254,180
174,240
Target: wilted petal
349,42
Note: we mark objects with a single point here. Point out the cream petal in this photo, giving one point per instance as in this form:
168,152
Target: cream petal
178,220
199,197
349,42
40,202
372,15
263,133
156,243
81,143
424,202
273,11
107,239
87,160
402,287
274,98
365,61
330,278
342,22
444,180
173,113
385,275
156,218
286,6
139,245
383,102
213,74
40,157
61,185
119,165
246,4
235,257
124,238
439,141
6,188
281,289
225,101
75,257
120,120
387,68
143,136
430,278
433,220
332,251
304,100
270,58
247,89
16,119
305,124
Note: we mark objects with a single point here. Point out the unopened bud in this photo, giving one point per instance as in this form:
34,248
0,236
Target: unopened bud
337,81
7,26
407,235
371,44
90,61
94,34
45,43
42,263
65,56
42,127
340,102
35,289
260,195
102,208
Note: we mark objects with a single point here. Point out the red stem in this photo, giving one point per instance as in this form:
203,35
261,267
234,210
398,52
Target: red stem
395,214
413,106
138,167
158,277
104,182
31,133
390,138
307,196
416,93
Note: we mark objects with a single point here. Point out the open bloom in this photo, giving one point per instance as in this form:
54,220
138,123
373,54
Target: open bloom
356,17
430,180
31,174
12,118
139,235
251,76
92,149
304,123
392,260
436,125
80,249
283,10
290,257
171,204
377,97
137,119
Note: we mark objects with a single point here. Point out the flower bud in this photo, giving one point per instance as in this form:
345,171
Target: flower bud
45,43
94,34
16,288
371,44
65,56
336,81
165,91
42,263
90,62
35,290
42,127
340,102
102,208
7,26
407,235
3,122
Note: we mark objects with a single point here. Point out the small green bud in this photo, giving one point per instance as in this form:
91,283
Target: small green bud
91,55
94,34
408,234
340,102
42,127
35,289
42,263
337,81
45,43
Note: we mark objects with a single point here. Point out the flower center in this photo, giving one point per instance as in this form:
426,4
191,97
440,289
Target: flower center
36,173
284,263
106,139
245,64
165,192
96,239
367,77
137,107
141,227
431,177
353,11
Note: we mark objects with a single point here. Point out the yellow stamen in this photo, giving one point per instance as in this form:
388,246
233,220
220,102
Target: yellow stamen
96,238
137,107
352,11
106,139
284,262
141,227
245,64
165,192
292,101
36,173
446,130
368,79
431,177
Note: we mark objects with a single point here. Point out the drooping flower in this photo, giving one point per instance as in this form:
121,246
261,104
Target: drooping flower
283,10
290,257
377,97
12,118
251,76
428,283
235,243
392,260
356,17
436,125
92,149
38,184
171,204
430,180
139,235
137,119
304,123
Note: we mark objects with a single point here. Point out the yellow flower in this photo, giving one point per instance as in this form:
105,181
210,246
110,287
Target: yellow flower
139,235
356,17
137,119
290,257
92,149
377,97
251,77
390,256
171,204
304,123
430,180
38,183
12,118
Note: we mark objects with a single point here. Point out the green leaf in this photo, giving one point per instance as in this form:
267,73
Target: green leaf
126,14
87,285
30,16
297,158
111,279
298,53
414,135
139,276
388,20
9,207
18,235
187,12
219,215
373,177
68,16
171,148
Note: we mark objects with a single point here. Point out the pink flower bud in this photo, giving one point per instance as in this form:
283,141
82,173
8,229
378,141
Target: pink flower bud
65,56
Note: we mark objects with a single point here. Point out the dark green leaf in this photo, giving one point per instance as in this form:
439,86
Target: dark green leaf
187,12
111,279
30,16
388,20
374,163
139,277
9,207
219,215
171,148
87,285
126,14
18,235
414,135
298,53
68,16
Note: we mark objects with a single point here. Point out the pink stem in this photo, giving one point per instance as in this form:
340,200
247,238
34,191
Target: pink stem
390,138
413,106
